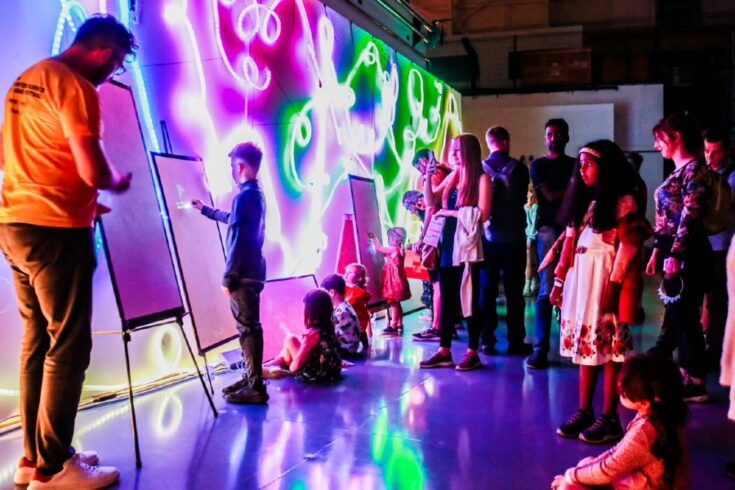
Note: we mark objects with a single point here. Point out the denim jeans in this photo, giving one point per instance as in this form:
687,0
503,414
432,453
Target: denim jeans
510,259
546,238
245,306
52,271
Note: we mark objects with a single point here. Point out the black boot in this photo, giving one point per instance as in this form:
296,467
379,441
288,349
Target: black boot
248,396
241,383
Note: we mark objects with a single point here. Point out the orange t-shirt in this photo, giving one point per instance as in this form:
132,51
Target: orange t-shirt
45,106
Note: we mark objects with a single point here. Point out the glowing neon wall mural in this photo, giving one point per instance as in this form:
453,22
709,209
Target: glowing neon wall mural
321,96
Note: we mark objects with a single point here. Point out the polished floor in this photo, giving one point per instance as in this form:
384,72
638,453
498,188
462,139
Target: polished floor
388,424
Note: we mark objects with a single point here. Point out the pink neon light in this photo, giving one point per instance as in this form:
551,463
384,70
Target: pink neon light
256,20
259,26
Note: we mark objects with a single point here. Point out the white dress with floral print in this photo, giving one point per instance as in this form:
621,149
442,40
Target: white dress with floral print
587,336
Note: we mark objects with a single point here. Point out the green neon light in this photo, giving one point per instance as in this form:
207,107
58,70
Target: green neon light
410,108
399,459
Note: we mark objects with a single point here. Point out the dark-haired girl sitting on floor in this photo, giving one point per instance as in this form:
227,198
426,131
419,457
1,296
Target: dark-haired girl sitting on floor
314,356
651,456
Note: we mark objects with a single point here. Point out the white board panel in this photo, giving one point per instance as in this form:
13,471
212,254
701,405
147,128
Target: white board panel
637,108
198,246
140,261
367,220
587,122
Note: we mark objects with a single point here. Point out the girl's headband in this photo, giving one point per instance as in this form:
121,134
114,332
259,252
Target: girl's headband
592,152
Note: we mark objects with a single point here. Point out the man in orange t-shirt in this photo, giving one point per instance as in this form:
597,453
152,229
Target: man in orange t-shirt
53,165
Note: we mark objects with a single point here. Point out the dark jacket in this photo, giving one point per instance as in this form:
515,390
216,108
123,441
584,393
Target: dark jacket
510,178
245,235
554,174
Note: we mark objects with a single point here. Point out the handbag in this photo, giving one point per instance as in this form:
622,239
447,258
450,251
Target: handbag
430,257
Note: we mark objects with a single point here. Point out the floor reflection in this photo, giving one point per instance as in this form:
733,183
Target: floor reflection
387,424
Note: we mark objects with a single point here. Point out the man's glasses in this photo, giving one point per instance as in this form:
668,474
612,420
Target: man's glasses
120,58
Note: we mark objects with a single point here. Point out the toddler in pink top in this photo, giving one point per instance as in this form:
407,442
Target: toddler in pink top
395,281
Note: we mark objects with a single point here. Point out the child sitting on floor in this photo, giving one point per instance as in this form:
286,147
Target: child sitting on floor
395,282
651,455
346,324
357,296
314,356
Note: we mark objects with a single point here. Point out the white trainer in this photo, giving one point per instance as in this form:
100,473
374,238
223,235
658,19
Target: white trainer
24,471
77,475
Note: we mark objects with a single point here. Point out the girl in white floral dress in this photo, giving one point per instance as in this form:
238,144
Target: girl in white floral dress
601,242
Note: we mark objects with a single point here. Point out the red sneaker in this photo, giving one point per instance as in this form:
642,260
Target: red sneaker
437,360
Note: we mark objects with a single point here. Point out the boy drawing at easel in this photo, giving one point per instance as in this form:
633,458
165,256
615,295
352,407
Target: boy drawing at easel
244,276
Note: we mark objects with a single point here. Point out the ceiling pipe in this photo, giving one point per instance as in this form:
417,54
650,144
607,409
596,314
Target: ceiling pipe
403,20
429,26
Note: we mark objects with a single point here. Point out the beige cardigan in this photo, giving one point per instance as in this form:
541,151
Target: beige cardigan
467,250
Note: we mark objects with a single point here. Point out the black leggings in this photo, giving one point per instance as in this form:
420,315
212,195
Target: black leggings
450,280
681,327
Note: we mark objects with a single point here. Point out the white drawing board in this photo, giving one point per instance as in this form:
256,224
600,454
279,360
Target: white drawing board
139,258
367,220
198,245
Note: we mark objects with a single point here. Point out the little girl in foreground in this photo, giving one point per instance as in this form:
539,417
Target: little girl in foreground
314,356
651,455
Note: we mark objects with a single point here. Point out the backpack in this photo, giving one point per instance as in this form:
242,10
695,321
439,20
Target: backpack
718,214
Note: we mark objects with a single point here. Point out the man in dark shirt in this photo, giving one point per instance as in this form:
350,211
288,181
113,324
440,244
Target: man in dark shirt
244,275
714,317
504,244
550,176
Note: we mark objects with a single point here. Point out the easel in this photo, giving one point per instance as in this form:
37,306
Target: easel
170,171
138,312
144,323
128,329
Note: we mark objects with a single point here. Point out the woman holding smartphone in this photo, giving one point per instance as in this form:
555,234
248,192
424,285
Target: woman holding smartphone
464,204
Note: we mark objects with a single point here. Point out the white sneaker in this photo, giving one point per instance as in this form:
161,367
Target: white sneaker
24,472
77,475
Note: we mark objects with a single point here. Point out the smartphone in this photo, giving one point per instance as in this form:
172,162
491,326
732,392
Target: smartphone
431,167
